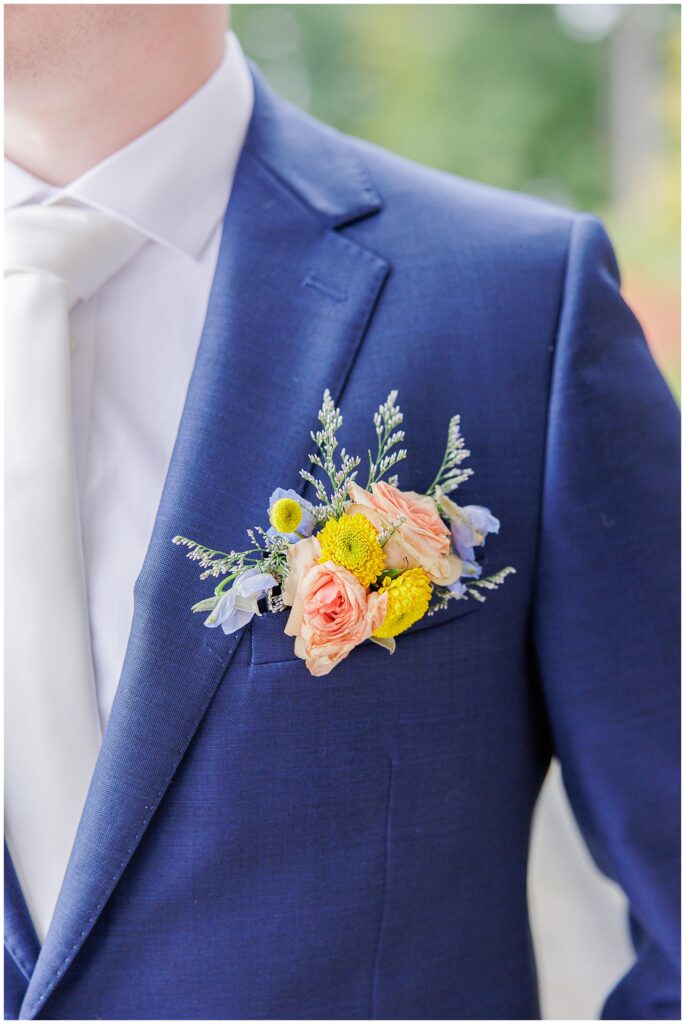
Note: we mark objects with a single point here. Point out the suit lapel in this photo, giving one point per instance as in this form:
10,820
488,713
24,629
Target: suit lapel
289,305
21,940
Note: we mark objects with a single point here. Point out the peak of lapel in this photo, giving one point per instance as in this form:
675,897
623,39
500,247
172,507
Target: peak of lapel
289,305
315,161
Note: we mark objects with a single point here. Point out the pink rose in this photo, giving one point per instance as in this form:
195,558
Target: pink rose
331,614
301,556
422,539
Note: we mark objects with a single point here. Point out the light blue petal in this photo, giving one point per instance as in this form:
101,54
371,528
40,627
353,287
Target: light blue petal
254,584
481,519
457,588
236,620
292,538
246,575
224,608
237,606
281,493
462,535
227,615
307,523
471,569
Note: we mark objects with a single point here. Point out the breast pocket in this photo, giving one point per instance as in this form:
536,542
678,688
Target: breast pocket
271,646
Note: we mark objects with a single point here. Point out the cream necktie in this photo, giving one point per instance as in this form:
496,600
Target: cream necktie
54,256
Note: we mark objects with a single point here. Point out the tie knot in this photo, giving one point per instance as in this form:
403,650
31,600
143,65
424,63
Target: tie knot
77,244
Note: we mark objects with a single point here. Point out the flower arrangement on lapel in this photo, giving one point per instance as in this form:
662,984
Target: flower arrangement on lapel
362,563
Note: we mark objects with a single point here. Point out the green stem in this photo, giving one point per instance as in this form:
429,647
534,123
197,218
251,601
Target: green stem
219,589
382,449
389,574
435,483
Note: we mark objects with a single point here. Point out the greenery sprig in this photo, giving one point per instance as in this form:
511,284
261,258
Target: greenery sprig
489,582
450,475
442,596
387,421
269,554
340,477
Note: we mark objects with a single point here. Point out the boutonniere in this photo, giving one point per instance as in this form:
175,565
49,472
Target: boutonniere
360,563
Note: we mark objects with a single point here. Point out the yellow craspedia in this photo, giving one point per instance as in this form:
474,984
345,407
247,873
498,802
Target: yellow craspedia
408,599
285,515
352,541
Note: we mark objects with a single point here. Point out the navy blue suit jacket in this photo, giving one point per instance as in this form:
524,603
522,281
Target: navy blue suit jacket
257,843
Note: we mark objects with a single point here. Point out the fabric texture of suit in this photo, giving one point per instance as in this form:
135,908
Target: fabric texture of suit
258,843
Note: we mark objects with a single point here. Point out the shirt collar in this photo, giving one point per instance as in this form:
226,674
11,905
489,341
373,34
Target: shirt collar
173,182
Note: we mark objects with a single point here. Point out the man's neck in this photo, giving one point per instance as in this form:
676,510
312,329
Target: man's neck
60,136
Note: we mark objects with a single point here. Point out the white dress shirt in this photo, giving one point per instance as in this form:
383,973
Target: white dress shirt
135,340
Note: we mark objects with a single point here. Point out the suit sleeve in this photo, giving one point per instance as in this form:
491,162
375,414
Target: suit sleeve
606,609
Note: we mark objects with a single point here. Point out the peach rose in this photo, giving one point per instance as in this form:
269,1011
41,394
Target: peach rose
331,614
422,539
301,556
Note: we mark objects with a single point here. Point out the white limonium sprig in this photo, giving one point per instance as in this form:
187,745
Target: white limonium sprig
392,528
451,475
341,476
213,561
387,421
267,553
442,595
441,598
489,582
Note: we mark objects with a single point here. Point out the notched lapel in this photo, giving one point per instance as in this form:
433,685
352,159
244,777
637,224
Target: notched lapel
21,940
290,302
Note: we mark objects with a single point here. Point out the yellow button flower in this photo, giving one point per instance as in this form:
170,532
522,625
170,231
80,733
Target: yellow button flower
408,599
285,515
352,541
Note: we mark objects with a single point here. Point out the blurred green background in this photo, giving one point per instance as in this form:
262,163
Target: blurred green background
577,103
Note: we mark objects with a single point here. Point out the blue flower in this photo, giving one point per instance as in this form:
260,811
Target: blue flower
470,526
471,569
236,607
290,515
